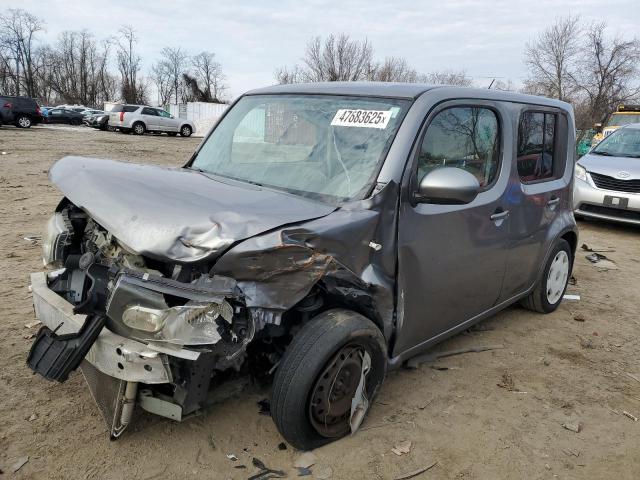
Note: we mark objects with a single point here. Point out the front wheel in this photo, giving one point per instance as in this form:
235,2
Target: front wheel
327,378
23,122
547,295
185,131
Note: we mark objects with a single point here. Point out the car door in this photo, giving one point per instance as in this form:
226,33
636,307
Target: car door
451,260
150,118
169,124
538,193
56,115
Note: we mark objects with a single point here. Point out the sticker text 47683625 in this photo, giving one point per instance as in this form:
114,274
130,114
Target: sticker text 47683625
361,118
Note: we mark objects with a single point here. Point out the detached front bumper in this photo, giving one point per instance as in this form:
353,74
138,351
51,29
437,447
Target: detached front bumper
111,354
114,367
612,205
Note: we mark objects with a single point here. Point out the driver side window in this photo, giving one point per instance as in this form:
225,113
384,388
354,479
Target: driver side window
462,137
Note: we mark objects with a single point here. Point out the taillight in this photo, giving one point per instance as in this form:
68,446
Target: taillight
38,111
122,116
8,105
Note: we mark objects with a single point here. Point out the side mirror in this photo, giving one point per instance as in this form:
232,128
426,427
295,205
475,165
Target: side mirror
447,185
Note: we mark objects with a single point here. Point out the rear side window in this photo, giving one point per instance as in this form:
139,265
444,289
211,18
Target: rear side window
536,146
124,108
149,111
462,137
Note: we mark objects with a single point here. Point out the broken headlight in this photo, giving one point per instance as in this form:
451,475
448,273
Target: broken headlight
192,324
56,239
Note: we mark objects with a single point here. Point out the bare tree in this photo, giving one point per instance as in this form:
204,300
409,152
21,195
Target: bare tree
174,61
18,29
208,74
608,71
132,87
337,58
394,69
447,77
551,59
162,79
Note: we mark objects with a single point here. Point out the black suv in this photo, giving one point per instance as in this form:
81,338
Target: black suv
24,111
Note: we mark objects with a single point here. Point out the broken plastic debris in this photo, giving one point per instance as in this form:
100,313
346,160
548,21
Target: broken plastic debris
632,417
575,427
571,297
232,457
19,463
402,448
305,460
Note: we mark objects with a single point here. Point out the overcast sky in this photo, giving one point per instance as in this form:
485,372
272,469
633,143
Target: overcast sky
252,38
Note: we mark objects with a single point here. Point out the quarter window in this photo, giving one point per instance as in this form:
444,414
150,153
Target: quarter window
536,146
462,137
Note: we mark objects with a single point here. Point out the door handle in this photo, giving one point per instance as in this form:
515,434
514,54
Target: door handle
553,201
499,215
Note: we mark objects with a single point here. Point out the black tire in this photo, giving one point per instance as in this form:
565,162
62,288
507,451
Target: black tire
124,130
75,122
24,121
313,351
185,131
138,128
538,300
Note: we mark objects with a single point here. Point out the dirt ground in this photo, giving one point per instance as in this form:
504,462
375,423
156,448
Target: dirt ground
492,415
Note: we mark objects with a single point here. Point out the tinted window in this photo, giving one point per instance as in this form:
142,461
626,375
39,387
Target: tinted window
463,137
124,108
163,113
536,146
149,111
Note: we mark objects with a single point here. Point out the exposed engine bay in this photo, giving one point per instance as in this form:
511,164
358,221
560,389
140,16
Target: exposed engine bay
168,306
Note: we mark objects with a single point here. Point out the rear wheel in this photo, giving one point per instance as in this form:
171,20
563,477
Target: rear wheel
23,121
138,128
327,378
547,295
185,131
75,122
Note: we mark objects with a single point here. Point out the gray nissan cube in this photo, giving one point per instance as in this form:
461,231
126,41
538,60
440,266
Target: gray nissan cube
320,235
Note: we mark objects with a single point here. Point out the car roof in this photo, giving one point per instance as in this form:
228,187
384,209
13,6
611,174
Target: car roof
401,90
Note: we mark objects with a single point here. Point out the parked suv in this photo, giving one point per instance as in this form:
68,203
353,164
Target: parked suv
141,118
324,232
25,110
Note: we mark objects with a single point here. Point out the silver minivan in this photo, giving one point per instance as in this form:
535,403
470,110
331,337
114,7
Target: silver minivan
320,235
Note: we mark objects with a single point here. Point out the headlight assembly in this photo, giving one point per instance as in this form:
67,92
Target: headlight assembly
191,324
581,172
56,239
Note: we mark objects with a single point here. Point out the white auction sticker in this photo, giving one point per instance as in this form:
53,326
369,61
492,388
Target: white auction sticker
361,118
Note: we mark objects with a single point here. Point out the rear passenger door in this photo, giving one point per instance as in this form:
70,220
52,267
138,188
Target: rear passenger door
538,193
150,118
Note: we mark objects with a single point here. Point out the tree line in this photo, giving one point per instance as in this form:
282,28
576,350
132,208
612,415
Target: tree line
571,60
79,69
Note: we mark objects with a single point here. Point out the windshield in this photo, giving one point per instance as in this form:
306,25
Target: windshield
319,146
624,142
619,119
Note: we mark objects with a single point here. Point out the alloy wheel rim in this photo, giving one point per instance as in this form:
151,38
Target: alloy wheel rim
558,276
185,131
139,129
24,122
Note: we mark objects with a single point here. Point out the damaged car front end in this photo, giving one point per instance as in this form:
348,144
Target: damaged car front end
165,283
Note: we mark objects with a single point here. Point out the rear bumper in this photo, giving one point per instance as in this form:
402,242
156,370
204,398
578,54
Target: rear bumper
593,202
111,354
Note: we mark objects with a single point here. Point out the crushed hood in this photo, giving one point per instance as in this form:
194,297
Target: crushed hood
175,213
